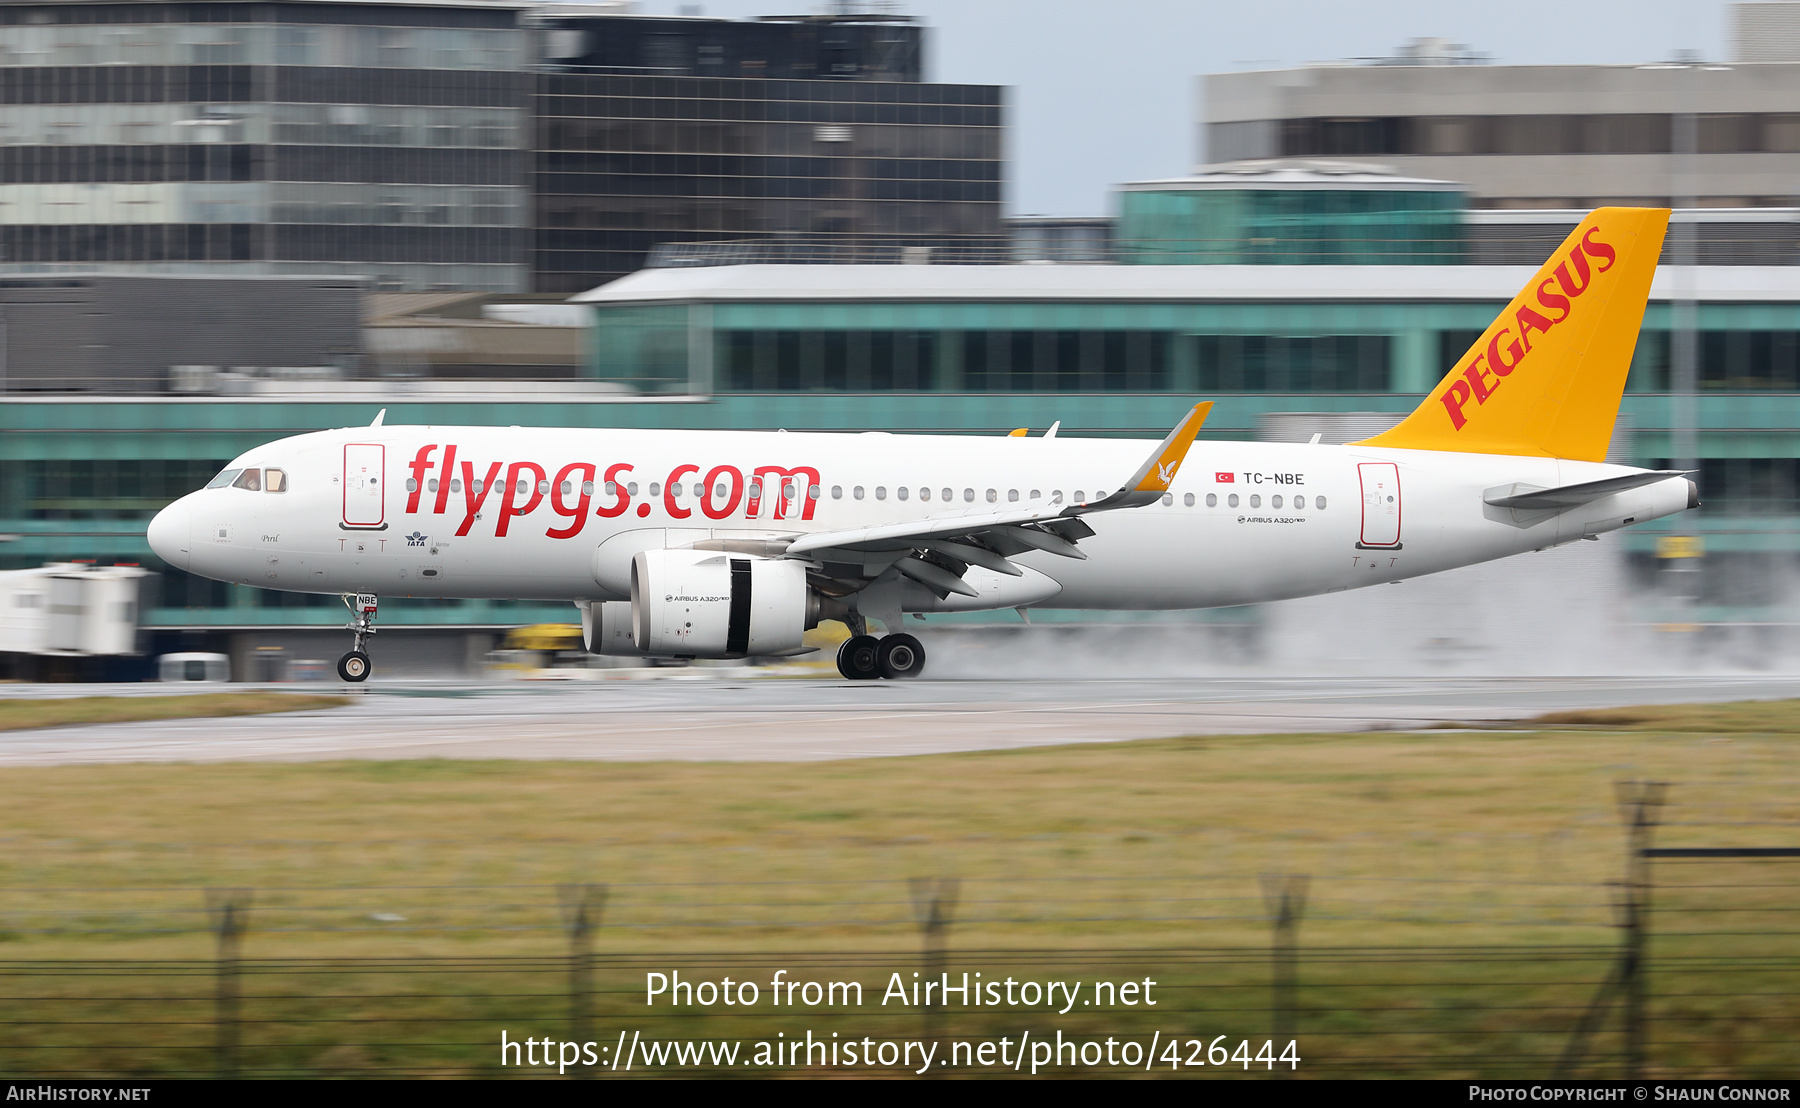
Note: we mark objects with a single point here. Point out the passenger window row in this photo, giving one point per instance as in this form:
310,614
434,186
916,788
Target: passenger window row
275,480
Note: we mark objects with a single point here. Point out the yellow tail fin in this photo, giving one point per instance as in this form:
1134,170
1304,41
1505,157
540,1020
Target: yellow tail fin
1545,378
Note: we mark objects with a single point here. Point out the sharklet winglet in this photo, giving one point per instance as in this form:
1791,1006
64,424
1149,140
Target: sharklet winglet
1154,477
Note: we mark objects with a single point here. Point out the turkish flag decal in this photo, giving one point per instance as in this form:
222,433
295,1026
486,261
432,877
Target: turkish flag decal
1223,478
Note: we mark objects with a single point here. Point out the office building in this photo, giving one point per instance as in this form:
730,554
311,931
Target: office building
411,142
385,141
1684,133
812,134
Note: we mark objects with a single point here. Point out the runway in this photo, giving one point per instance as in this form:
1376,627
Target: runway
733,718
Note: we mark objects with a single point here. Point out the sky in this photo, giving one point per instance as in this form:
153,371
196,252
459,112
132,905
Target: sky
1108,92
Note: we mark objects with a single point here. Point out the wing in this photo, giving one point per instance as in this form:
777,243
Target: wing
937,550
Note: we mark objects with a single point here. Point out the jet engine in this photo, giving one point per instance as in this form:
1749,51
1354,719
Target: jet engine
606,628
708,604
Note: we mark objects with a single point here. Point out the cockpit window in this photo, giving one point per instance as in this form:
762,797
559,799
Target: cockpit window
274,480
250,479
224,478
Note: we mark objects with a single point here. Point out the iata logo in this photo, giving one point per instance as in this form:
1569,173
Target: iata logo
1482,377
415,539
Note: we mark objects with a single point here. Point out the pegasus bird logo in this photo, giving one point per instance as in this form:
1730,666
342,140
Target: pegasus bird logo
1166,472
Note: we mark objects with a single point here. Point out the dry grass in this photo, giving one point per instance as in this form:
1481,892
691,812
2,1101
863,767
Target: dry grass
20,713
1769,717
1515,834
1469,839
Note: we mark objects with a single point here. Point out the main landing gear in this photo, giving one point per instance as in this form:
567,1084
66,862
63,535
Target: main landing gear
355,666
895,657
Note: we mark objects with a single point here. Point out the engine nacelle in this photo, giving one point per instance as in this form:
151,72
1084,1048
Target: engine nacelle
606,628
708,604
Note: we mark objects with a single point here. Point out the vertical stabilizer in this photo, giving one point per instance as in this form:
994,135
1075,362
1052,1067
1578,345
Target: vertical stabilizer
1545,378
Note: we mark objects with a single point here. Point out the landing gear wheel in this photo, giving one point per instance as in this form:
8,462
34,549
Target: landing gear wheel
900,656
859,659
354,666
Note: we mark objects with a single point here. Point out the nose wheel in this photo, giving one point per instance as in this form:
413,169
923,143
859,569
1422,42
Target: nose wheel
355,666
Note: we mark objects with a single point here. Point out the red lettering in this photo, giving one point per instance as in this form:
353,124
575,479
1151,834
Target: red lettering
802,493
1555,301
420,463
1499,365
712,484
444,475
577,515
1599,249
624,498
1476,375
473,499
507,511
672,486
1454,398
1581,266
1529,320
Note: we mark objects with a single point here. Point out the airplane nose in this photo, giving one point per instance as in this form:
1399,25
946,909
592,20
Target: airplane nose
168,533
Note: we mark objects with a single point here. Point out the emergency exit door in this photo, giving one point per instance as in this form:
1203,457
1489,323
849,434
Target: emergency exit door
1380,503
365,492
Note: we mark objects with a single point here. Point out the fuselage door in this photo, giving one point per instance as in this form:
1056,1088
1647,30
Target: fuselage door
365,482
1380,503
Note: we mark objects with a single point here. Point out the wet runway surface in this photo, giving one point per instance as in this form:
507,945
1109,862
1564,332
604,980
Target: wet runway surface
731,718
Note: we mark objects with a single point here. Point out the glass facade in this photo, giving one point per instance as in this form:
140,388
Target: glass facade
1061,347
1598,133
626,163
1289,226
375,140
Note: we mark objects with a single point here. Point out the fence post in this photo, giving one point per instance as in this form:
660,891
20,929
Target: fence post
1285,896
582,905
1639,802
934,902
1639,805
229,912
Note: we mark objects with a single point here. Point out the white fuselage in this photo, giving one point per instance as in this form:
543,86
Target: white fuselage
544,524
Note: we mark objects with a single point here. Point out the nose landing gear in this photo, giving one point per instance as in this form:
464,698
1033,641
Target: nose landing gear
355,665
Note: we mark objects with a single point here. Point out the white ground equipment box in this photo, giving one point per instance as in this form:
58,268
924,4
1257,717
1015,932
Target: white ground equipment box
70,608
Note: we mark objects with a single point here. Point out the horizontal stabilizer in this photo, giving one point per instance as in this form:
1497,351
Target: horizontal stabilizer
1531,498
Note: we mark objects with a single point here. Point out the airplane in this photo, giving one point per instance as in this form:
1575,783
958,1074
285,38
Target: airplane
730,544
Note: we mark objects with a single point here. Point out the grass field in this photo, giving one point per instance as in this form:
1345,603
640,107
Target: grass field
1508,833
19,713
1480,840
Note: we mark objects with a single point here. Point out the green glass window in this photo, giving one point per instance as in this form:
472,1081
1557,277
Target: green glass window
1290,227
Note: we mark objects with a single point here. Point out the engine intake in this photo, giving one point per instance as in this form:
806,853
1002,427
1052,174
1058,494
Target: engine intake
707,604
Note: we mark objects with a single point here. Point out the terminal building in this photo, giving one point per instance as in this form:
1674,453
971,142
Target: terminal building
799,273
1106,349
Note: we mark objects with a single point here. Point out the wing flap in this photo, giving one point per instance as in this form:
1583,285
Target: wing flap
919,529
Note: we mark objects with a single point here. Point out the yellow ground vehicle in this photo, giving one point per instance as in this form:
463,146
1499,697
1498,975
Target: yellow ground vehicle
540,646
